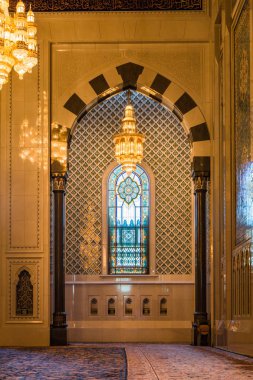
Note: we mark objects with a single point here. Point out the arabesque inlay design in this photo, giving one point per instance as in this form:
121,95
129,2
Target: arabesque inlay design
128,190
24,290
24,294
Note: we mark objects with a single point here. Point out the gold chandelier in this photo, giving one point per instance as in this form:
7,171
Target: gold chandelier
18,41
129,143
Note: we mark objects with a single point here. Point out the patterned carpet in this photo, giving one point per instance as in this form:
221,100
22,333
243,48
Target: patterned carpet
72,363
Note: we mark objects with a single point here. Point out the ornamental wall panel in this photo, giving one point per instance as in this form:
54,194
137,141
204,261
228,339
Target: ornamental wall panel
25,163
34,267
24,191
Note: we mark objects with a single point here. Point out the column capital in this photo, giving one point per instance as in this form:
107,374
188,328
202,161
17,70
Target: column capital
59,182
200,183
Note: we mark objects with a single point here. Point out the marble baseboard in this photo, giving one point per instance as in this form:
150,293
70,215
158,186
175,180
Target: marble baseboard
121,334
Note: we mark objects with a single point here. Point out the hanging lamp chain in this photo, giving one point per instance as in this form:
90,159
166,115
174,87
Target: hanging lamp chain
129,97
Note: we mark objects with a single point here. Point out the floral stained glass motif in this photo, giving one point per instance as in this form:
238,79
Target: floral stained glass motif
128,221
128,190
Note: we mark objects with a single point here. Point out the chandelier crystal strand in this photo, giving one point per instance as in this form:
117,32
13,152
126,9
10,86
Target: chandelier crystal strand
18,41
31,60
129,143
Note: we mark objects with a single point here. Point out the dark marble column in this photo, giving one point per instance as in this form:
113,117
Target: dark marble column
201,326
58,330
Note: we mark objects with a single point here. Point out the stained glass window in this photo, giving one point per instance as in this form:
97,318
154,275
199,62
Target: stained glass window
128,221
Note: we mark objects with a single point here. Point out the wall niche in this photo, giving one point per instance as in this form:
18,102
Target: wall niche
128,306
24,294
163,306
111,306
93,306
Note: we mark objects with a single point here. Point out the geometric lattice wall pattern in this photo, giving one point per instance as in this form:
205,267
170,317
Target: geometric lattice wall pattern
166,151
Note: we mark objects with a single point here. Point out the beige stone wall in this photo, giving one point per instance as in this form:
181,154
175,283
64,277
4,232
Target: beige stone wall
170,44
75,48
172,326
25,205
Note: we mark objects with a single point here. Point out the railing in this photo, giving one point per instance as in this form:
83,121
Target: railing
241,271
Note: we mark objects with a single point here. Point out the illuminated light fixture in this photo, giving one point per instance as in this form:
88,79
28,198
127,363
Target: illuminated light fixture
18,41
59,148
149,90
129,143
110,91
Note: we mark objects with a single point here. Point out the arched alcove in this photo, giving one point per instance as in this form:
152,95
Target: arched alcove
167,152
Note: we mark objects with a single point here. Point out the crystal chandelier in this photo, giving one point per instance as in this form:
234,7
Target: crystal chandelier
128,143
18,41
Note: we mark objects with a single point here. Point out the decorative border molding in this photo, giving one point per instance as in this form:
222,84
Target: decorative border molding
14,267
10,244
114,5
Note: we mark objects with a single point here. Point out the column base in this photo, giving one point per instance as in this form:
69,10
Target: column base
58,336
201,331
58,330
200,317
59,319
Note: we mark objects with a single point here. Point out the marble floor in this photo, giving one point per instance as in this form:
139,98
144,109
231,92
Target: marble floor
173,361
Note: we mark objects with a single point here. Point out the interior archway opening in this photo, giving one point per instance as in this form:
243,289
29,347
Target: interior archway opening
167,154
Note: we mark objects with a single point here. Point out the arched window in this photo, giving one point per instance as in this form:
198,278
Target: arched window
128,200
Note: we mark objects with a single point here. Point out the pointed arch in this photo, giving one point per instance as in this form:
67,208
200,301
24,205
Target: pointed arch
157,86
150,83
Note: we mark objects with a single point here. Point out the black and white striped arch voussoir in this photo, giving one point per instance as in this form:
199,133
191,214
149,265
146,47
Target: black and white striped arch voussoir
160,88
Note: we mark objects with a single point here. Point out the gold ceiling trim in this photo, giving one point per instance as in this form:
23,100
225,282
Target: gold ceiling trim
113,5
